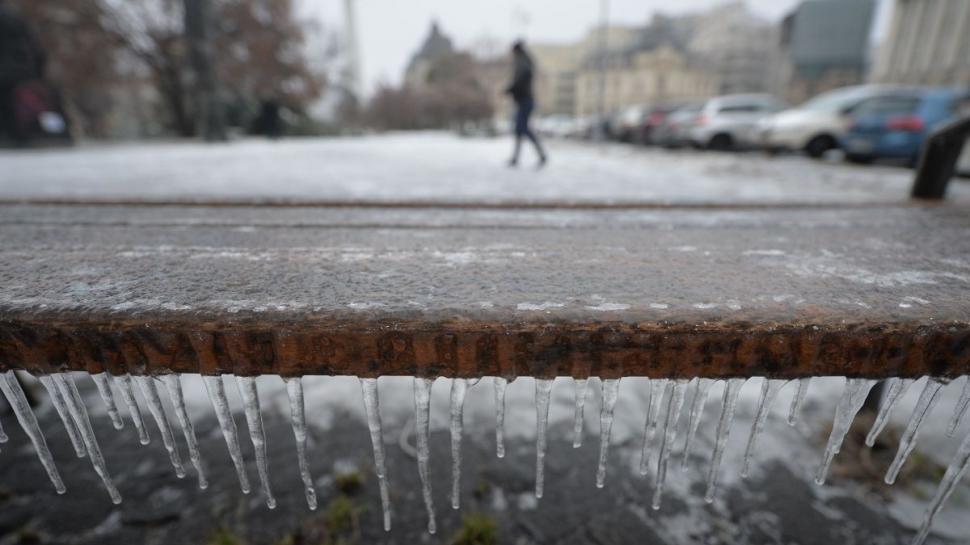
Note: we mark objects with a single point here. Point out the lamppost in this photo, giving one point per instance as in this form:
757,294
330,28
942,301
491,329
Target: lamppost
601,47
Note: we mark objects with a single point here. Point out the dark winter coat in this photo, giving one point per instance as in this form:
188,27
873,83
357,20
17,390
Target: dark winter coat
521,86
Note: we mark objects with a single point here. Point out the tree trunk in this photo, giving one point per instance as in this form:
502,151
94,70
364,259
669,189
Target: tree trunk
173,93
198,36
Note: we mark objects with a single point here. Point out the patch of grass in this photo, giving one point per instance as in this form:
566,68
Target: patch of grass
340,514
349,483
925,467
27,536
476,529
224,536
341,522
482,489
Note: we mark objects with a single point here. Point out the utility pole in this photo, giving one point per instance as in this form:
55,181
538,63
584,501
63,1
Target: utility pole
352,70
198,36
601,47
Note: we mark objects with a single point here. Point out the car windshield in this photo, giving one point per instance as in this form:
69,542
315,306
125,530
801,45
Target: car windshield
888,105
834,101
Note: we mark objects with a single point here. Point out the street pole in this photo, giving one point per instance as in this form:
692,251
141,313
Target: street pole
601,88
352,75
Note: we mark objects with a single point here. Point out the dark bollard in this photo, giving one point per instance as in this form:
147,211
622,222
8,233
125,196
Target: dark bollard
938,159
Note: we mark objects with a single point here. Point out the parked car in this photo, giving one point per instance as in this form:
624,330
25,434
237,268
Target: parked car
816,126
628,122
731,121
557,126
894,124
654,117
674,131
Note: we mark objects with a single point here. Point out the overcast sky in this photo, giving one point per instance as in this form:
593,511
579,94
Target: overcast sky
391,30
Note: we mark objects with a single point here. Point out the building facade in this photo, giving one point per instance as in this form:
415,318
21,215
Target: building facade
732,43
435,47
825,44
648,77
928,44
559,66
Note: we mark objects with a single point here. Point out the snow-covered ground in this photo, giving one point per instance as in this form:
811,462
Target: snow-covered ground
438,166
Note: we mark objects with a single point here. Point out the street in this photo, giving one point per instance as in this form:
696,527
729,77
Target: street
443,168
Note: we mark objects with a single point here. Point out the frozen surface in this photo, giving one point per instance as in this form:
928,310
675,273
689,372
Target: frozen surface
436,166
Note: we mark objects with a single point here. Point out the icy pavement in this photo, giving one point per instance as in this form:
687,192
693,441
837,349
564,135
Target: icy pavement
59,256
777,503
440,167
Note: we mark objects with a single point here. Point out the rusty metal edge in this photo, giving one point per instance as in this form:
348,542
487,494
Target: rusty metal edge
475,348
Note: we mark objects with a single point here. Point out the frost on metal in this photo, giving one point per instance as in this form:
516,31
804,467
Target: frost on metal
665,416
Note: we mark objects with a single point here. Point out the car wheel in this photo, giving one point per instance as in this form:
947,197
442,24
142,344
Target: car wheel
721,142
818,145
858,158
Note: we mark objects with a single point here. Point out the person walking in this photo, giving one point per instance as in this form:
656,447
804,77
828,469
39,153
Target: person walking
521,91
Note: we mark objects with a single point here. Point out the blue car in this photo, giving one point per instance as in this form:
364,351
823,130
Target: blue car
894,124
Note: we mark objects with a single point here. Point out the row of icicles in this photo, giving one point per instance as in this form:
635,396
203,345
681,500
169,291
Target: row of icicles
665,404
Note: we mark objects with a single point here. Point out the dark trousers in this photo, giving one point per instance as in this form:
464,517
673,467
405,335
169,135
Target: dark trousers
523,111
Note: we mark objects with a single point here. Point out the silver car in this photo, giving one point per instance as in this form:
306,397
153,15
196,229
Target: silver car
675,129
731,121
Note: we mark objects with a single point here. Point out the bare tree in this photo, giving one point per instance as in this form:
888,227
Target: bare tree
198,37
260,46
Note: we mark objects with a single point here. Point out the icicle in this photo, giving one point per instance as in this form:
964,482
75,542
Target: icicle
961,409
124,385
675,402
543,393
578,413
60,406
951,479
103,382
701,389
422,415
174,387
372,407
217,396
75,406
294,391
853,398
500,385
150,392
729,401
654,397
769,389
254,420
927,399
458,388
796,401
611,391
894,392
25,415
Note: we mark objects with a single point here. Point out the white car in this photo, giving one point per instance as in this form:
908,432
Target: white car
816,126
731,121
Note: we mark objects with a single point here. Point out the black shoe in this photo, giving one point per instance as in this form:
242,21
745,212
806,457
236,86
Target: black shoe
541,163
512,163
